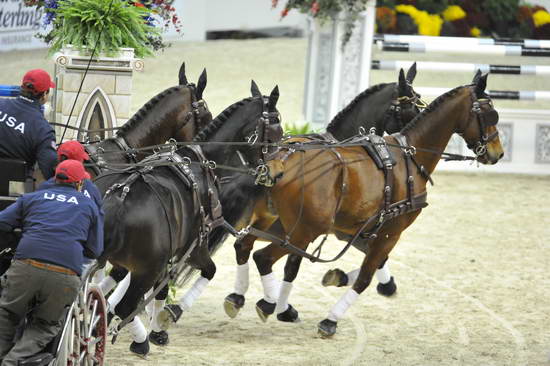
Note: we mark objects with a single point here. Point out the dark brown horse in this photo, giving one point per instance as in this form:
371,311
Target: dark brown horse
154,215
178,112
320,193
387,108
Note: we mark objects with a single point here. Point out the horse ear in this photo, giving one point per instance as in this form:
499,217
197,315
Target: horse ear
476,76
182,77
201,84
255,90
273,98
481,84
411,74
402,83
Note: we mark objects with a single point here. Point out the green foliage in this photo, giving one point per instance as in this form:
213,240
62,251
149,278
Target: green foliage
79,23
295,129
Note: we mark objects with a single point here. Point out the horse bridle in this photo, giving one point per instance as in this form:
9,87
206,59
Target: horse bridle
197,107
398,103
265,131
485,119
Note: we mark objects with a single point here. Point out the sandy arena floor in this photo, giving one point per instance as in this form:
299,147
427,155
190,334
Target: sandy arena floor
472,290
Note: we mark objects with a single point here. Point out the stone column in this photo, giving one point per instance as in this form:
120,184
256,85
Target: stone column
104,100
335,75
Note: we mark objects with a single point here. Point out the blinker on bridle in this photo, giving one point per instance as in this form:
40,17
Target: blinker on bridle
485,119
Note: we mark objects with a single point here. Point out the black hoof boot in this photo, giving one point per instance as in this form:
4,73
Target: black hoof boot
232,304
290,315
169,315
264,309
387,289
335,277
140,349
159,338
327,328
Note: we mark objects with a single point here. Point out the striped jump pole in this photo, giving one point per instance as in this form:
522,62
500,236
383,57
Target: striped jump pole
395,65
462,41
9,90
450,48
531,95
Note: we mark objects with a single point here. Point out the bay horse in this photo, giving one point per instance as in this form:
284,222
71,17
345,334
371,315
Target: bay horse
387,108
155,216
320,193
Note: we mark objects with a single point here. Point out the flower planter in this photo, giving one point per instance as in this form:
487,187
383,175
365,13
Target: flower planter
105,98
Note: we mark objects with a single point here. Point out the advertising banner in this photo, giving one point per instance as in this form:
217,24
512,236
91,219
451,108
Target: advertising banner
18,26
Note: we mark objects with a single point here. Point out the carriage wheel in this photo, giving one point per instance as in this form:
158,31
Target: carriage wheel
88,332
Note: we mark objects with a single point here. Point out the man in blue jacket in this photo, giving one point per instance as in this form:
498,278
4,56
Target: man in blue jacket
60,227
24,132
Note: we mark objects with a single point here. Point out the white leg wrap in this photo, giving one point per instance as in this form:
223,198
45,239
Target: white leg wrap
157,308
149,307
99,276
352,276
137,330
338,310
107,284
119,292
187,300
282,302
241,281
383,274
271,287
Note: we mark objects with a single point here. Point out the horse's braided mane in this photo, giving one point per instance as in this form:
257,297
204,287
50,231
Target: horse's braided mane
336,120
217,122
430,108
143,111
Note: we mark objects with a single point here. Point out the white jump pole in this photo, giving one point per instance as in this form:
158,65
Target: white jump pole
395,65
531,95
462,41
450,48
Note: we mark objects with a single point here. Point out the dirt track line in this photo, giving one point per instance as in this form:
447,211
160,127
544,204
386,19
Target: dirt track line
517,335
361,333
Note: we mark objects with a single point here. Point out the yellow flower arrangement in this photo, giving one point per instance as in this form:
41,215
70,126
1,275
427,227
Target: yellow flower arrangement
428,24
541,18
453,12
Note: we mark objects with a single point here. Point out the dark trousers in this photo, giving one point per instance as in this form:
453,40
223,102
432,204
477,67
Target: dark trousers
49,291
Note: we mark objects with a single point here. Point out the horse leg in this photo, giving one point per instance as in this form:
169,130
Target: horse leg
373,260
386,283
172,312
139,285
122,277
158,336
235,301
108,283
285,311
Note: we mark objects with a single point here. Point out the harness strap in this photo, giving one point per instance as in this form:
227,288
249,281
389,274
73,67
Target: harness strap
123,145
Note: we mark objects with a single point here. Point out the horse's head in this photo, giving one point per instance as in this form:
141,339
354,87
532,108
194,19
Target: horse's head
263,125
480,130
406,104
200,115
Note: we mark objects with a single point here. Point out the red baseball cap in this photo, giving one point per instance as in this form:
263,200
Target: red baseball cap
71,171
72,150
39,79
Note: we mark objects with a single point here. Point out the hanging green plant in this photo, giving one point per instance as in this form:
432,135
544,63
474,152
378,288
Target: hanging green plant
107,25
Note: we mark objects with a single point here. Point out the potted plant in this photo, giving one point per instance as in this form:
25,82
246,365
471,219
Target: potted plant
106,36
106,25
